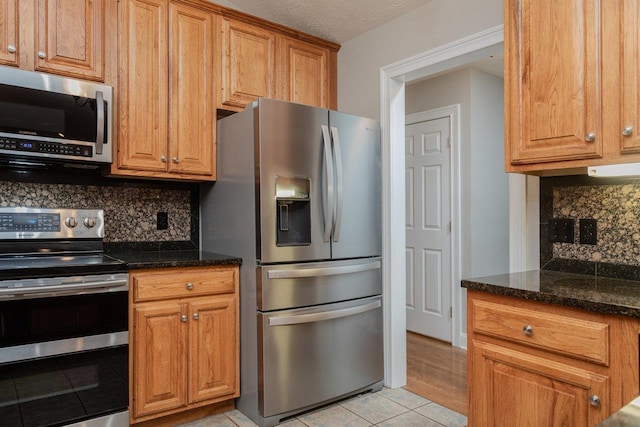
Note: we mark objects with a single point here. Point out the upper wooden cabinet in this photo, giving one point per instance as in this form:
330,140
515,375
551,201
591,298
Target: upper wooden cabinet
260,59
166,83
248,64
571,84
60,37
305,73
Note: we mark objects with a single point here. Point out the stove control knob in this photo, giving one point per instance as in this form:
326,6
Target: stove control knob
89,222
71,222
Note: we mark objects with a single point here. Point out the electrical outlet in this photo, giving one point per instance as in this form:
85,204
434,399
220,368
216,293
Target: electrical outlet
162,220
589,231
561,230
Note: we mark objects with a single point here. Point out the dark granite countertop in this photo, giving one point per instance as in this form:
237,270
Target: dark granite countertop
594,293
627,416
136,260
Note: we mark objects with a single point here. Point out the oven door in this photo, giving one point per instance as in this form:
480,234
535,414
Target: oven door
64,358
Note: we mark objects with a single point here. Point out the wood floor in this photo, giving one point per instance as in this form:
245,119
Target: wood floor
437,371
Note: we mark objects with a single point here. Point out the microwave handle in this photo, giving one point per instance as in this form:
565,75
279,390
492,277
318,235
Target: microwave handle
100,129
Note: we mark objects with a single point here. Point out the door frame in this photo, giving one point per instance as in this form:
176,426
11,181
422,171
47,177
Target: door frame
452,112
393,79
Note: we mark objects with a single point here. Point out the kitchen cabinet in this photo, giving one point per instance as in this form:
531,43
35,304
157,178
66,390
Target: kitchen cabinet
564,63
248,64
166,84
532,363
66,38
305,73
184,339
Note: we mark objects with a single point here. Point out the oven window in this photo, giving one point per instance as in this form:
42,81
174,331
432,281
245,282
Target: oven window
64,389
46,319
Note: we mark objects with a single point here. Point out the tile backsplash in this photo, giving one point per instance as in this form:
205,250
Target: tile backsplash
615,205
130,211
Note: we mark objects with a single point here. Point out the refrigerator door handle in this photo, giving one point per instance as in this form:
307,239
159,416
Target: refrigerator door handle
337,151
326,315
328,196
322,271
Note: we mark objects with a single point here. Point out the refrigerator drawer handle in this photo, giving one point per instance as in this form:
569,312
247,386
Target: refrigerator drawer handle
327,315
323,271
328,192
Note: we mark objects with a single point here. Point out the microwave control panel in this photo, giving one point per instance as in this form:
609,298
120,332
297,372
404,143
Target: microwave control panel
45,147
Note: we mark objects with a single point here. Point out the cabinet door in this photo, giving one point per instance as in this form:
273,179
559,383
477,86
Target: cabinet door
214,348
143,81
192,113
159,358
304,73
630,77
9,32
70,38
248,69
516,389
552,80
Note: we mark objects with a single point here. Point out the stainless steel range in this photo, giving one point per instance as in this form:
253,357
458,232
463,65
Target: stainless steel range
63,321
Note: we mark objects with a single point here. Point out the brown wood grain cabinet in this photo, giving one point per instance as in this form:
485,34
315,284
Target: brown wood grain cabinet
166,84
184,339
571,85
531,363
305,72
60,37
248,64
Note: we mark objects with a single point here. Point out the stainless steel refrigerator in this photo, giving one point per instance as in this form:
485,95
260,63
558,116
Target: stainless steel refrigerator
298,197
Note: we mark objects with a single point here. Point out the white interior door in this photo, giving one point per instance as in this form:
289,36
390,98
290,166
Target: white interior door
428,227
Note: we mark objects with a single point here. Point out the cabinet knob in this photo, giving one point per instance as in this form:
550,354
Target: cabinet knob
175,160
196,316
183,318
590,137
627,131
42,54
11,48
527,330
594,400
190,286
163,159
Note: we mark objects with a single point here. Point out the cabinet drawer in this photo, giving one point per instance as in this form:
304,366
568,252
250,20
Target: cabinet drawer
183,283
574,337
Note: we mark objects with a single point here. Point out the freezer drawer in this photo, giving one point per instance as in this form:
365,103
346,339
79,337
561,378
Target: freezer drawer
316,354
306,284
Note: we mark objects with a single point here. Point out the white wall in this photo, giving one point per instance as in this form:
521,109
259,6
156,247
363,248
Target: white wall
484,187
434,24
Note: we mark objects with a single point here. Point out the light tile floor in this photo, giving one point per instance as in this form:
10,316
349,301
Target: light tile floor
386,408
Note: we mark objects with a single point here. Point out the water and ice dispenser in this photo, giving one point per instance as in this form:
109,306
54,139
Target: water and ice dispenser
293,216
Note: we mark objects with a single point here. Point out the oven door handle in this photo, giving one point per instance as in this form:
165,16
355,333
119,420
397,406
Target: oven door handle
62,288
325,315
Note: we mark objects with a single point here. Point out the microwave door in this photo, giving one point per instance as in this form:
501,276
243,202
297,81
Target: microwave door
295,171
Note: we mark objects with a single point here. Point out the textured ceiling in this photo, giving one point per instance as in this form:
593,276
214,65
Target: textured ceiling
335,20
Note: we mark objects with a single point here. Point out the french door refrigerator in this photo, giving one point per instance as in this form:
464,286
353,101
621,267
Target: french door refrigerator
298,197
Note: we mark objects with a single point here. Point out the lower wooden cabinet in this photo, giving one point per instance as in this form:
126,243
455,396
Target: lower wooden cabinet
184,339
535,364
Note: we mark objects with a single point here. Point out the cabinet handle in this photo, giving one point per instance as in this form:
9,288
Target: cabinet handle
184,318
594,401
41,54
163,159
590,137
527,330
190,286
627,131
196,316
176,160
11,48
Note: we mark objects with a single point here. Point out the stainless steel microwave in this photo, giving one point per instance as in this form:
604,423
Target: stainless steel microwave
46,118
